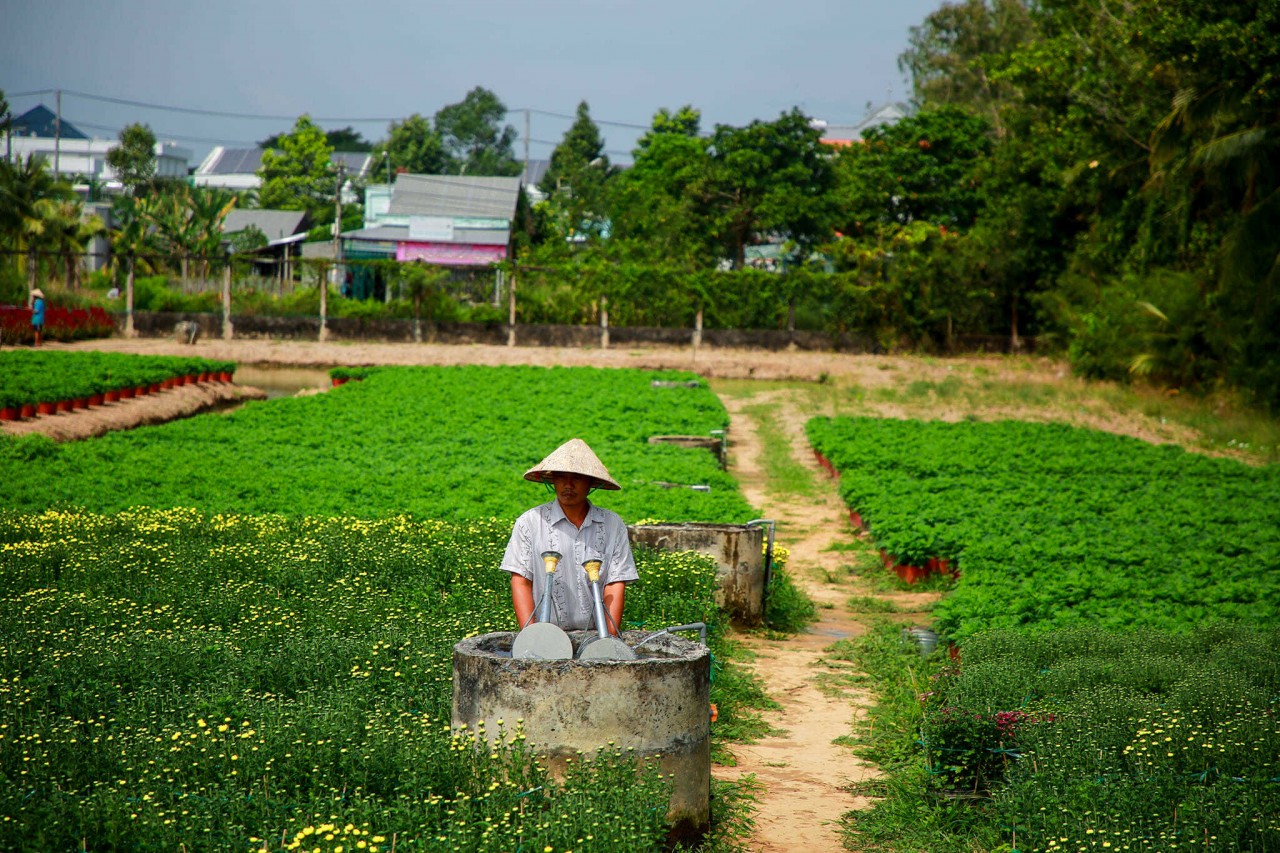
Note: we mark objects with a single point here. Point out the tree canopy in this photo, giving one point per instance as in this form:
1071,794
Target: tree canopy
300,175
474,136
134,159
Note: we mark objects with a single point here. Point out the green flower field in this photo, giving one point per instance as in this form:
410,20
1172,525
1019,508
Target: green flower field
235,632
1115,685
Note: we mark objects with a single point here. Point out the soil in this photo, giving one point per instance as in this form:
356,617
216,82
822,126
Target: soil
805,776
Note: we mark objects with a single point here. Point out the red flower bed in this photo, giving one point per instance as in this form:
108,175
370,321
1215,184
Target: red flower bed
60,324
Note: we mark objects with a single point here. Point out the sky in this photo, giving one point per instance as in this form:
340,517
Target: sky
363,64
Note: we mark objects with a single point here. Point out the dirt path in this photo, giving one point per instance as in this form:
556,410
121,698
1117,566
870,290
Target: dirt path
805,774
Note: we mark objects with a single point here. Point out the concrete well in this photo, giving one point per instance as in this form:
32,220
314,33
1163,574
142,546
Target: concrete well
703,442
657,705
738,551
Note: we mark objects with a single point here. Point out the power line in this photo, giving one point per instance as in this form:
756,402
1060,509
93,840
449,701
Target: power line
128,102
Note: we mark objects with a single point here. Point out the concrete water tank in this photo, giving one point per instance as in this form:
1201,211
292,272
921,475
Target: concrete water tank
658,705
738,550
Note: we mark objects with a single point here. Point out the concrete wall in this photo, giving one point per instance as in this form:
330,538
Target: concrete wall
160,324
739,554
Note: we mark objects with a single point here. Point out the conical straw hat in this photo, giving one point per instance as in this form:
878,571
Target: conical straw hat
572,457
35,291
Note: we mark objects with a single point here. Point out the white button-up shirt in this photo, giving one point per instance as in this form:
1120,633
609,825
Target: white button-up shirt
603,536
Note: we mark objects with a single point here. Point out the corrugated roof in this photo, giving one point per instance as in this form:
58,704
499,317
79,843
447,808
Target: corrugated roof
275,224
455,196
247,161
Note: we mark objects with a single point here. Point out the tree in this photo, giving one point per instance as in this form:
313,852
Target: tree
28,195
414,146
423,283
769,179
134,159
342,139
300,176
657,206
68,230
575,179
921,168
474,137
952,57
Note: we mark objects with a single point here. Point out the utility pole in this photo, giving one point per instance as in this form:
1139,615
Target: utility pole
526,144
57,132
337,252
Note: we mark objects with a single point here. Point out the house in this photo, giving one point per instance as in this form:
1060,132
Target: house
457,221
237,169
841,135
285,231
71,153
448,220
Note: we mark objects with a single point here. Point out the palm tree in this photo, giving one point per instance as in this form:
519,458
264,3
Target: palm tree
209,209
23,185
69,230
132,238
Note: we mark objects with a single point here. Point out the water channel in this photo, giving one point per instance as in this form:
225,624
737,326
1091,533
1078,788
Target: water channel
282,381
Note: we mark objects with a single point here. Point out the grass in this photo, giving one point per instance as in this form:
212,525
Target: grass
787,478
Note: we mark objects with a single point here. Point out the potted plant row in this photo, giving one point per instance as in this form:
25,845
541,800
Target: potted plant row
51,383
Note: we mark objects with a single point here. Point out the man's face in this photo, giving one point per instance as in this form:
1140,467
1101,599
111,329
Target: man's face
571,489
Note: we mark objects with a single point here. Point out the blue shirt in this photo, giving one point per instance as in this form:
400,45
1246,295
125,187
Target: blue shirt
37,312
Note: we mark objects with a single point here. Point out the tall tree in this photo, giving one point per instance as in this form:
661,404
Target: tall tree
69,230
658,205
575,179
134,159
769,180
28,193
952,56
300,176
474,136
921,168
414,146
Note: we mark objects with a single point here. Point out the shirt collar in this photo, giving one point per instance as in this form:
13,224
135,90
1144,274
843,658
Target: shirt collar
594,513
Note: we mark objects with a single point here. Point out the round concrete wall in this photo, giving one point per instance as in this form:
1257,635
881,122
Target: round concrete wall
738,551
658,705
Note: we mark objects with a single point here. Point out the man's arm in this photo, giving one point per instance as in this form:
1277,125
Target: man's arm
522,599
614,595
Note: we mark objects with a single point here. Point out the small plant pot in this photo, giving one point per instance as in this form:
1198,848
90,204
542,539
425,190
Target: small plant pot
339,380
225,376
166,384
95,400
190,380
855,518
111,397
46,408
142,391
204,377
127,393
153,388
910,574
10,413
80,403
62,406
27,410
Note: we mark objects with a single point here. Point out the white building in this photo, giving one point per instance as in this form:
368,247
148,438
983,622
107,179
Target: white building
70,153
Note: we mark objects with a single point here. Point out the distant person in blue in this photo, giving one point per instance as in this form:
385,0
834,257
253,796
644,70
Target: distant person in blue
37,314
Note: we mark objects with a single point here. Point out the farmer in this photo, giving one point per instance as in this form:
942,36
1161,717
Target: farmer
577,529
37,313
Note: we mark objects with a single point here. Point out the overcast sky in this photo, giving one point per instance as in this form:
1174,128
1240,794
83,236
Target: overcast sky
364,63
